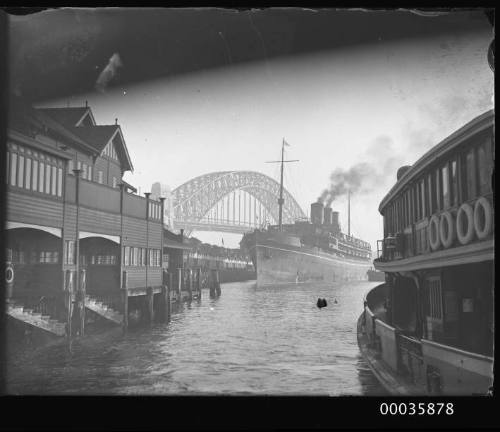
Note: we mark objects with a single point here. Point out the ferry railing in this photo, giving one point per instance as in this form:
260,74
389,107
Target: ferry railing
410,358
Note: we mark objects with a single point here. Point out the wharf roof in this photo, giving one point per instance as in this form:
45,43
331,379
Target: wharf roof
68,122
69,116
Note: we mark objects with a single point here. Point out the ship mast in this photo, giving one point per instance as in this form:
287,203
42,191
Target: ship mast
349,213
281,200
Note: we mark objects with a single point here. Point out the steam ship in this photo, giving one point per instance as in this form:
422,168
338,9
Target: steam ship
307,251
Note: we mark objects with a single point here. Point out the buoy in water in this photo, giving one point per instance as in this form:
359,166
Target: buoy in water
321,303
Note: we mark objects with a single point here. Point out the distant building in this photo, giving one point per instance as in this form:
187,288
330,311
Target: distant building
162,190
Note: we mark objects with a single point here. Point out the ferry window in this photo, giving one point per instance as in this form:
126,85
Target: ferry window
71,166
59,182
414,201
430,194
28,173
484,164
435,301
41,177
20,172
423,209
13,169
454,183
53,189
7,175
35,175
437,187
445,186
471,174
47,179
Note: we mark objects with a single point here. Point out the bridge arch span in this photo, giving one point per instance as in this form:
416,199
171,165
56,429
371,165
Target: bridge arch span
194,199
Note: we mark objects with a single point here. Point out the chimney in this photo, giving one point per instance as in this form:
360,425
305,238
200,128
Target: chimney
327,216
317,213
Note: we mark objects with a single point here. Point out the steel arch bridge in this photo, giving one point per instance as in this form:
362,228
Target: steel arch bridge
231,201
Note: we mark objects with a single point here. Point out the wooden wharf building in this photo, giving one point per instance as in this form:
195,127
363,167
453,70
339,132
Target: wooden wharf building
81,246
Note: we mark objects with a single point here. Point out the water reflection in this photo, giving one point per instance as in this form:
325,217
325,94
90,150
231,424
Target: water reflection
251,340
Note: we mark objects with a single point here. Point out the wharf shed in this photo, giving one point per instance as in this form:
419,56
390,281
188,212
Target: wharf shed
72,224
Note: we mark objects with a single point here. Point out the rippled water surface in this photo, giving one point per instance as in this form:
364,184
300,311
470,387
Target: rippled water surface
251,340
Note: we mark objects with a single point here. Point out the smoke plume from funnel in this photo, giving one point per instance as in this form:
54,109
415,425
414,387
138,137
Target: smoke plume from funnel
355,179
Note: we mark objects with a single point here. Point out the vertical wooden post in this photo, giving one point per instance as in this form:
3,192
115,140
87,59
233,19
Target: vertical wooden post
198,282
190,283
179,284
82,293
150,300
217,283
68,300
125,300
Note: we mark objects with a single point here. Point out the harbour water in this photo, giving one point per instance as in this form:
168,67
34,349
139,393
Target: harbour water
249,341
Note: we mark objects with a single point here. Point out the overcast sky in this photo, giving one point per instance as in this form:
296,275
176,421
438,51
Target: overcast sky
383,103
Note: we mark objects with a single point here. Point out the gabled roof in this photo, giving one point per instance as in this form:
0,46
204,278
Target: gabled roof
70,116
95,136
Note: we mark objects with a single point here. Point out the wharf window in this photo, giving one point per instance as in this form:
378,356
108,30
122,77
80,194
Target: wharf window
28,173
484,159
103,259
435,300
84,171
154,257
59,182
48,257
35,175
47,179
23,170
53,189
20,172
71,166
99,177
471,175
126,255
41,177
69,252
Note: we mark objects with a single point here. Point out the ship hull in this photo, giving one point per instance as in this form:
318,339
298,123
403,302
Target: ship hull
281,264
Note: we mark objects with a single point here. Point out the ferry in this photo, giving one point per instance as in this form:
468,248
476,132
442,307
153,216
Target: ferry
308,250
429,328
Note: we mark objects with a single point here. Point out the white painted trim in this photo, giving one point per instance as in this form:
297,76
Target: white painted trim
50,230
86,234
334,260
477,363
471,253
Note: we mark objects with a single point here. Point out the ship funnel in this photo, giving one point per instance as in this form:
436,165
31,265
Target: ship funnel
335,221
327,216
317,213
